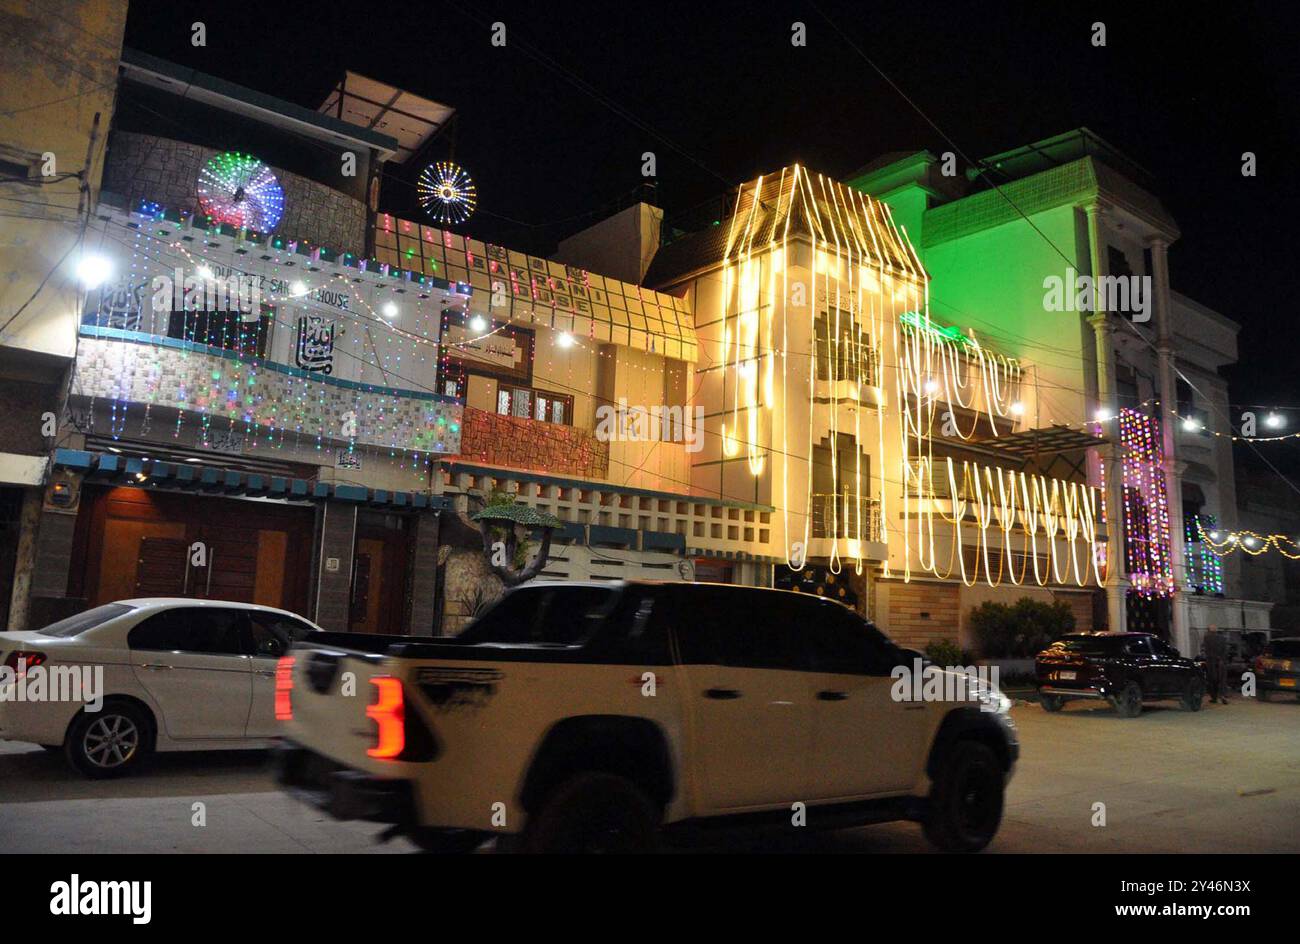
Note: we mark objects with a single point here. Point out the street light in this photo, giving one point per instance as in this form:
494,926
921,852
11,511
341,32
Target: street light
93,270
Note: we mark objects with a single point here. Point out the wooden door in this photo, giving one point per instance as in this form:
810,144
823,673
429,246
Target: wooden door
367,586
140,542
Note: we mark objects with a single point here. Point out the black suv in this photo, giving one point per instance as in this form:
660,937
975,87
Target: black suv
1126,669
1277,668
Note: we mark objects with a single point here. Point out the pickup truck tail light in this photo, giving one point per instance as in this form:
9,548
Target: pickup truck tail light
20,660
284,689
388,712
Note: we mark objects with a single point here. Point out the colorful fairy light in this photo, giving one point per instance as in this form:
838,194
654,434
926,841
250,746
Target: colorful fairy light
1146,507
446,192
1204,569
240,190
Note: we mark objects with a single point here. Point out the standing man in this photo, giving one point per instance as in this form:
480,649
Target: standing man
1215,648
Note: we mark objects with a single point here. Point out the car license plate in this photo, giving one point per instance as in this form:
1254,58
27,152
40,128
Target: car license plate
1286,683
1066,676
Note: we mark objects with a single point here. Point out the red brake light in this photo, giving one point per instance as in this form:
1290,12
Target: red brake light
30,659
284,689
388,713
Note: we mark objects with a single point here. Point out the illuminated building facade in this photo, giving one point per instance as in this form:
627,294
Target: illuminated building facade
894,448
1058,252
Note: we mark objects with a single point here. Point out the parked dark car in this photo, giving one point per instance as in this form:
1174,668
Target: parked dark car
1277,668
1126,669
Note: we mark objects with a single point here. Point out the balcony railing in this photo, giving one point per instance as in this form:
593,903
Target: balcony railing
843,514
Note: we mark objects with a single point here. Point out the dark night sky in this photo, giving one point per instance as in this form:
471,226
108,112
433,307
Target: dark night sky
1183,91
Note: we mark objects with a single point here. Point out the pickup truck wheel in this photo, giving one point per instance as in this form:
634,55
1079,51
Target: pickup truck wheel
1128,702
1195,695
109,742
966,800
594,813
1052,702
447,841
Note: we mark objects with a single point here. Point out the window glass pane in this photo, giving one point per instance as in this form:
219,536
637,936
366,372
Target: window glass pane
542,403
738,627
557,412
286,628
503,401
207,630
522,403
75,625
265,642
543,615
499,620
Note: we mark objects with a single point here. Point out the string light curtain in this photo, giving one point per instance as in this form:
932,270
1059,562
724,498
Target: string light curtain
1146,507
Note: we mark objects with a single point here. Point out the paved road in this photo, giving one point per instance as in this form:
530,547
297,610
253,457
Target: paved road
1224,780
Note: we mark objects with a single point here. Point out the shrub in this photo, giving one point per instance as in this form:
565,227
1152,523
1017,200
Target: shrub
1019,629
945,653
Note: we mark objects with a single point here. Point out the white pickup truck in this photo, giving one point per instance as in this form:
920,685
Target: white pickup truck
614,716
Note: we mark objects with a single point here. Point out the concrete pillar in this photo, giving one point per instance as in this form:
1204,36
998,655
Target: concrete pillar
1107,403
25,562
424,574
1168,399
336,539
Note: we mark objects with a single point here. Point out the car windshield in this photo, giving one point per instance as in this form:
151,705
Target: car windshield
76,625
554,616
1087,645
1285,648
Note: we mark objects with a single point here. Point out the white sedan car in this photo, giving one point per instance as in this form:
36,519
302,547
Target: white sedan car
166,674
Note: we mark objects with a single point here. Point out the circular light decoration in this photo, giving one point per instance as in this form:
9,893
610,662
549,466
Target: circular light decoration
446,192
240,190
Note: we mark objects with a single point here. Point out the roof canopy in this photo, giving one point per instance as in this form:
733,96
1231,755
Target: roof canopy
376,106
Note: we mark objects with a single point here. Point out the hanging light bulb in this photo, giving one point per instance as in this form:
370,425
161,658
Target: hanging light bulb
390,310
1274,421
565,339
477,323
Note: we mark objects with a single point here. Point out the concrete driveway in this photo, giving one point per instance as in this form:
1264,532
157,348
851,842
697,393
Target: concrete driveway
1226,779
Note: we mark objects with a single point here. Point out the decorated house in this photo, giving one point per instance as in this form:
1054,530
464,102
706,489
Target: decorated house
282,396
1058,251
915,468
